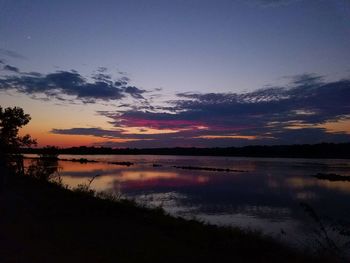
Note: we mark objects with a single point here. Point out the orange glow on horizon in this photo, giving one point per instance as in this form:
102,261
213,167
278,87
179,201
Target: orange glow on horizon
146,130
338,126
245,137
63,140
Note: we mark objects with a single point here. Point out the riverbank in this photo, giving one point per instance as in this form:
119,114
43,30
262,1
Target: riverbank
311,151
43,222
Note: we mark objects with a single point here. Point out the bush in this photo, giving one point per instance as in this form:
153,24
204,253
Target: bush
46,167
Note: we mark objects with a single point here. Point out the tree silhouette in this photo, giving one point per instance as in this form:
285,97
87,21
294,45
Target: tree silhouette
11,120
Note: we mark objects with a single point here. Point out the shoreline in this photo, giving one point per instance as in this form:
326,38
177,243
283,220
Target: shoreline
104,230
305,151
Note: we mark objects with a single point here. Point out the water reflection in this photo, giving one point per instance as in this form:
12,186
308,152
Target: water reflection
307,183
129,180
265,197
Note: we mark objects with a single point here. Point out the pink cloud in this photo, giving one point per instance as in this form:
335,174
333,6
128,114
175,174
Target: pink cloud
160,124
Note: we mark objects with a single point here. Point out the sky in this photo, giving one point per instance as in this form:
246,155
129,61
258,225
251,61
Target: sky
192,73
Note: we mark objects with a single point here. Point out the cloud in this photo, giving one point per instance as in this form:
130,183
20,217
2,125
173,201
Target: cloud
11,68
302,112
309,101
102,69
11,53
306,79
191,139
88,131
133,91
61,84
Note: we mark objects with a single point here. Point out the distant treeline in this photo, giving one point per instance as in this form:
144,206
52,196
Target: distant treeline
322,150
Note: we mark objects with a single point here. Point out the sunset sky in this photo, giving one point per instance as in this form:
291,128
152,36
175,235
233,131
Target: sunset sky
171,73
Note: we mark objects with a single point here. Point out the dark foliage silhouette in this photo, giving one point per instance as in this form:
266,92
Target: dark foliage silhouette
11,120
46,166
328,237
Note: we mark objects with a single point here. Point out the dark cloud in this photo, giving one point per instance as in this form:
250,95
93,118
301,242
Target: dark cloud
310,102
35,74
133,91
102,77
307,79
280,115
11,68
71,83
11,53
88,131
102,69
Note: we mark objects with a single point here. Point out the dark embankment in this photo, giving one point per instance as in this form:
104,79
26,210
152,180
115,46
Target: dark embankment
322,150
80,160
122,163
43,222
332,177
209,169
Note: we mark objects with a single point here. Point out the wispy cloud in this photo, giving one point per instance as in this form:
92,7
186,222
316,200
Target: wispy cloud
11,68
11,53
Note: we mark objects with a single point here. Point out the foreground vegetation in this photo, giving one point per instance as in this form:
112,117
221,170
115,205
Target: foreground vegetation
44,222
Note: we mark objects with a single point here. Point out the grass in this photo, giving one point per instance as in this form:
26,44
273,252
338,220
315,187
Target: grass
44,222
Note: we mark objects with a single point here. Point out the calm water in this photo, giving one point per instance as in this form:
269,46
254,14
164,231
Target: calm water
266,196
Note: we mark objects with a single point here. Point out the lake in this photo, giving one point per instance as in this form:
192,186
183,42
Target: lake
264,194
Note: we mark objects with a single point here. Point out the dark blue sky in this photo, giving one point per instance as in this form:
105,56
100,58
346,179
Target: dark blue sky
182,45
162,48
